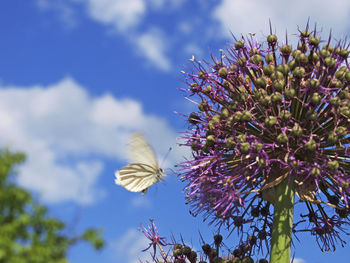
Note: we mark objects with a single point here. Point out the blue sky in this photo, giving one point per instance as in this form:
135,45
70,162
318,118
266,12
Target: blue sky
78,76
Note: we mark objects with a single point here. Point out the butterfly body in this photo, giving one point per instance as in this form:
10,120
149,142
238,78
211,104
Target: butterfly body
143,171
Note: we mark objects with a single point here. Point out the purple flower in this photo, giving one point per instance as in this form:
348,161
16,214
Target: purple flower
152,234
267,113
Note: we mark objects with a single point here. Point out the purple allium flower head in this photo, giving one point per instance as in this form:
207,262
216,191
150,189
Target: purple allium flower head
267,113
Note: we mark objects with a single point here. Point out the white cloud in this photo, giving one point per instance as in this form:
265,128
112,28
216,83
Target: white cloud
66,134
129,248
298,260
153,46
63,10
141,202
121,14
252,15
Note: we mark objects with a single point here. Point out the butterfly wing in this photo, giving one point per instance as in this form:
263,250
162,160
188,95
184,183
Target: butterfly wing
137,177
141,152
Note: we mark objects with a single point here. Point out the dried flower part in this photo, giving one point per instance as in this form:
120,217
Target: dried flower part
267,113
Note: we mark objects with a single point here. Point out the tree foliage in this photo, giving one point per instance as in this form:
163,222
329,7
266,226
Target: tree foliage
27,233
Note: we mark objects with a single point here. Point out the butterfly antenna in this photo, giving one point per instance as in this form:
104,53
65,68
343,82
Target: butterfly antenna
166,155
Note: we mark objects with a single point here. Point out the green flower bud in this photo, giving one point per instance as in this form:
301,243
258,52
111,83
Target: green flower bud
226,84
262,163
332,137
239,44
269,58
223,72
311,115
297,130
344,53
225,113
272,39
186,250
285,114
241,61
210,140
315,171
177,252
315,83
324,53
286,50
284,69
341,131
333,165
292,64
269,69
289,93
276,76
257,146
328,47
298,72
261,82
311,145
201,75
335,101
282,138
207,89
296,53
247,116
276,96
270,121
241,138
314,57
302,59
237,116
257,60
314,41
244,147
233,68
265,100
202,106
330,62
216,119
278,85
230,143
316,99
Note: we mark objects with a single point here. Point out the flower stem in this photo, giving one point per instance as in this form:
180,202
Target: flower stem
281,236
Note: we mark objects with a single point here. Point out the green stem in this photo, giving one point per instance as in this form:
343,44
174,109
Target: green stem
281,236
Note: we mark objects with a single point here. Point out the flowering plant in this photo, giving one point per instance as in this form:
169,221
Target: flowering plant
272,121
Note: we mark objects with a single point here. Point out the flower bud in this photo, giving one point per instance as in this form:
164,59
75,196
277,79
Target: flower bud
245,147
289,93
270,121
332,137
314,41
282,138
269,58
239,44
316,99
223,72
217,239
269,69
311,145
278,85
297,130
285,115
272,39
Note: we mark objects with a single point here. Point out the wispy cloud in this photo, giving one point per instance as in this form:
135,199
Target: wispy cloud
128,248
66,133
153,46
250,16
121,14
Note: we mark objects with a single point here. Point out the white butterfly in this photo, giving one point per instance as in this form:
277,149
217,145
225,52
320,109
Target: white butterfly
143,170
